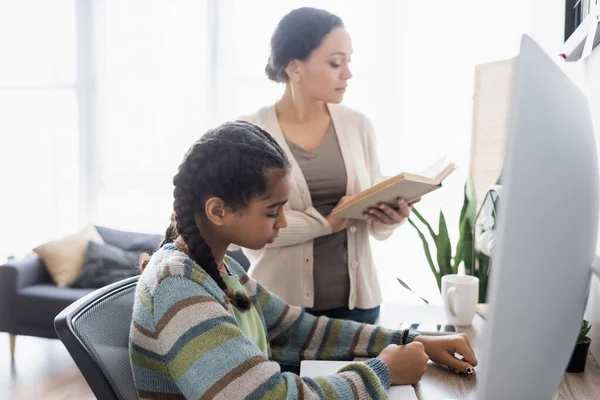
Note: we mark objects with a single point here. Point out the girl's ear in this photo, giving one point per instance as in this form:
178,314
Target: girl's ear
215,211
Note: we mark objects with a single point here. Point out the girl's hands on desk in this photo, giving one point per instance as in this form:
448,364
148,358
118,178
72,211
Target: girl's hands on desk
388,215
442,349
407,363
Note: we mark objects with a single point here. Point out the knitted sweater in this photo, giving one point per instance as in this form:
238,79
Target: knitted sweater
185,342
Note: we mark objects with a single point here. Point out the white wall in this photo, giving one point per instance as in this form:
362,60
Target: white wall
592,87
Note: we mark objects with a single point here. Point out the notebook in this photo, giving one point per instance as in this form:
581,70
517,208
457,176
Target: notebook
315,369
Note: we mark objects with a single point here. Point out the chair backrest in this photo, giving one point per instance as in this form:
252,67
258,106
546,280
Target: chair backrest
95,331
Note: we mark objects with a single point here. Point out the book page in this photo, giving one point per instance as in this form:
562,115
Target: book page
432,171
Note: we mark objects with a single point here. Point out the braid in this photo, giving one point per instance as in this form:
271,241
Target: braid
185,225
234,163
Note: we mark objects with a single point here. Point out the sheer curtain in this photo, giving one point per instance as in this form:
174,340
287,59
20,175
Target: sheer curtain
159,73
151,104
38,123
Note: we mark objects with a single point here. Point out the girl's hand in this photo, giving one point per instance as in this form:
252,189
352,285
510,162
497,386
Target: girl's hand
407,363
387,215
442,349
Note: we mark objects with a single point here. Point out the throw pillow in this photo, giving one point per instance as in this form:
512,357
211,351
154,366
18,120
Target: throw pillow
64,257
130,241
105,264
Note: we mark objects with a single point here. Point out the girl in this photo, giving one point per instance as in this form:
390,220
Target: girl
320,261
203,329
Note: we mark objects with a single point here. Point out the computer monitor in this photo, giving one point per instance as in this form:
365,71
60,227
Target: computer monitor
546,239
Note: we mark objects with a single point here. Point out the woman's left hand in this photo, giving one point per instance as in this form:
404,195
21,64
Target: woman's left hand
389,216
442,350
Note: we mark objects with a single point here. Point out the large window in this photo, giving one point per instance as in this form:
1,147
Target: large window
575,13
152,64
104,97
39,174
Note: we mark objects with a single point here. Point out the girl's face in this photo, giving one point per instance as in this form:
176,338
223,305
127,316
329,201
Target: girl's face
324,75
258,224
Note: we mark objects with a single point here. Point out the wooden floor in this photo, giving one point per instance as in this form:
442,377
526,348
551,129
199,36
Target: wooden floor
43,369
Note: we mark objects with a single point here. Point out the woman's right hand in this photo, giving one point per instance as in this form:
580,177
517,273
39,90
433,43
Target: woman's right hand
339,224
407,363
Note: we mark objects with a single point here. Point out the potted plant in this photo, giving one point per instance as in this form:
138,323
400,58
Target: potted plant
577,362
447,259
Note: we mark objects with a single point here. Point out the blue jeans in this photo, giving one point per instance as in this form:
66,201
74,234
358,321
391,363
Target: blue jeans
364,316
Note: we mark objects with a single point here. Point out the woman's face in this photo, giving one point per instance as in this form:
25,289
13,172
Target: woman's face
324,74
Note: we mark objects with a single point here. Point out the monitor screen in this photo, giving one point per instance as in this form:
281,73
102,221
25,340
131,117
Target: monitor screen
546,236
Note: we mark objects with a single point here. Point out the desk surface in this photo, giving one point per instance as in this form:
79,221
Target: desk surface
439,383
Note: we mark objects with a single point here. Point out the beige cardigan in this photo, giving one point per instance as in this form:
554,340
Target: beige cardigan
286,266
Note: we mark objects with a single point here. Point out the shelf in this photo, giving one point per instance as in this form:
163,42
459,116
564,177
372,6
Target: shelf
573,47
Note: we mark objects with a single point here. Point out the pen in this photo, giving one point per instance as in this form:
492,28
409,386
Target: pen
404,336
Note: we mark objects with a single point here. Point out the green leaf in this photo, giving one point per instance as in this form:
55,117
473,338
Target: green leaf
424,221
432,266
482,272
464,248
472,196
465,206
444,248
585,329
462,220
408,287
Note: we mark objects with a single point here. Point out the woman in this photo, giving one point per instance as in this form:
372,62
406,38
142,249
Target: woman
202,329
319,261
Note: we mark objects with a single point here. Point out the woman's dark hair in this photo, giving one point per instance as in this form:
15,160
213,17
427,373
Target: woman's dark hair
234,162
296,36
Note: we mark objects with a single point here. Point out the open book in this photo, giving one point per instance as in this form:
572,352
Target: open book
406,185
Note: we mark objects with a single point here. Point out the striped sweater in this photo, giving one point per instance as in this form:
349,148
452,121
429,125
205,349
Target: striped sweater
185,342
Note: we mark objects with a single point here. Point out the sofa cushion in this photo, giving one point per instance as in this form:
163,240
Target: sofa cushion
64,257
130,241
37,305
105,264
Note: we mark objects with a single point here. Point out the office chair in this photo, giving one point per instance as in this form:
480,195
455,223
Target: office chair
95,331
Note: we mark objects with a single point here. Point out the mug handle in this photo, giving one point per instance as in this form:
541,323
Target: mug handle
449,303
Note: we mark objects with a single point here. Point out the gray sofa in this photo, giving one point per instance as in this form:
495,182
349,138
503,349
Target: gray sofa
29,299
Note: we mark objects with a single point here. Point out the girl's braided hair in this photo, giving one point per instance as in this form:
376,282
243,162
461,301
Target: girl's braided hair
229,162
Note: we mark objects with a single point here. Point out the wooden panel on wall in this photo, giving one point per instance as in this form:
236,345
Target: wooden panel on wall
491,101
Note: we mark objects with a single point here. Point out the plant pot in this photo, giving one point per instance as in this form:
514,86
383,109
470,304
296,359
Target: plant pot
577,362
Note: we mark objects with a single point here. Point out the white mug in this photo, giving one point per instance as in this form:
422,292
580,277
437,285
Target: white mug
460,294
